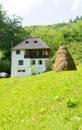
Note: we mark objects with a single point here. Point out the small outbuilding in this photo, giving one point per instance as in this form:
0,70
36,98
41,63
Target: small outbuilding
63,61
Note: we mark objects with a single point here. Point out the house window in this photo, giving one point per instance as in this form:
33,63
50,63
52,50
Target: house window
17,51
27,42
40,62
19,70
23,70
20,62
33,62
35,41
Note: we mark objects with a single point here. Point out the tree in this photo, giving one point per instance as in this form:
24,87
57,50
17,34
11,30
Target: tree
2,23
70,21
11,32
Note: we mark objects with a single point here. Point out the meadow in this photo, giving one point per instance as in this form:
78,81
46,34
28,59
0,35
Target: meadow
48,101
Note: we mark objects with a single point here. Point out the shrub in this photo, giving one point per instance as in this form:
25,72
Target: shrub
71,103
5,66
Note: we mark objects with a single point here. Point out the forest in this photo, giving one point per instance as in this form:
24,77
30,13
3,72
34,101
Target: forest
12,32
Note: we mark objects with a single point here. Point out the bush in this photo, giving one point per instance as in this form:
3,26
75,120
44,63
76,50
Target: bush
71,103
5,66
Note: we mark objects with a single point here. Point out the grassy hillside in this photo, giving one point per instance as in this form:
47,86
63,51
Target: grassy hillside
48,101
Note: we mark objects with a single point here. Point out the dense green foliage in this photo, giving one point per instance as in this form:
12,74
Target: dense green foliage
69,34
75,49
11,32
5,66
48,101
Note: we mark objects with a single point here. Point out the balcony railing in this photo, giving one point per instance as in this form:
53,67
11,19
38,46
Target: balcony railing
34,56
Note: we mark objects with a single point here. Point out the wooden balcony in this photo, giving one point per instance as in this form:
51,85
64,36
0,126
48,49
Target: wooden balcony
37,53
36,56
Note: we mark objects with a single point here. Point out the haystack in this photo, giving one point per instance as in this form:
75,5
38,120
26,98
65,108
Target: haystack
63,61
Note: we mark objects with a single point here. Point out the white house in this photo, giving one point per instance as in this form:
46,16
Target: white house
30,57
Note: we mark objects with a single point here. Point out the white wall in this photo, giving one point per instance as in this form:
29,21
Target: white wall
15,67
27,66
39,68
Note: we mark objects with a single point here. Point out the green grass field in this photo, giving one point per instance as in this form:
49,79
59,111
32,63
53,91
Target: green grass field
48,101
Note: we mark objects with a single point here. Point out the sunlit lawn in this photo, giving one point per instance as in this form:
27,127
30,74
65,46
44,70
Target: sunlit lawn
48,101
